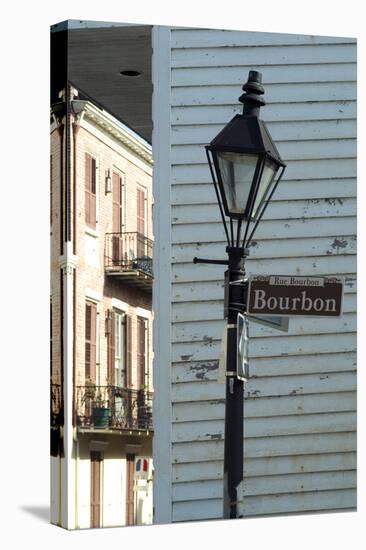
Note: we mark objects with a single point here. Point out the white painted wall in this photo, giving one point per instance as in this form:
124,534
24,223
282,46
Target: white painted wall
83,493
300,407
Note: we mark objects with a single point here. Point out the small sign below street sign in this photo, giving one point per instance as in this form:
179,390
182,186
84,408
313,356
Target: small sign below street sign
287,295
242,365
278,323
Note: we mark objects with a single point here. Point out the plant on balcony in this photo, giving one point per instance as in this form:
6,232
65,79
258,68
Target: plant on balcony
100,412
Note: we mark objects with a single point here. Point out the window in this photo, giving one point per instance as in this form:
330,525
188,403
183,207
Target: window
142,354
90,191
119,355
90,340
141,229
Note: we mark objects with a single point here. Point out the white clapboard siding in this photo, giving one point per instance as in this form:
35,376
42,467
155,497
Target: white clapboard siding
330,462
201,291
300,402
267,406
268,229
206,76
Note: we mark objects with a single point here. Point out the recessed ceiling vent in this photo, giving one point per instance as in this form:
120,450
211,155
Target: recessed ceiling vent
130,73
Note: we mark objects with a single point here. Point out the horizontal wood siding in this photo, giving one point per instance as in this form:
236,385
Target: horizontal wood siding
300,421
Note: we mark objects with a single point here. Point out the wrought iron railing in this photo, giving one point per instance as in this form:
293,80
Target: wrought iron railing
129,251
55,405
112,407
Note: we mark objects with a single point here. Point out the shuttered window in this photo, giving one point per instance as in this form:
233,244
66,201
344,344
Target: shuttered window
90,191
117,202
90,340
141,211
140,249
111,342
141,351
128,329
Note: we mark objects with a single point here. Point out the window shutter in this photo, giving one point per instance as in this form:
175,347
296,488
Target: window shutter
116,203
128,362
141,351
87,187
90,340
111,347
90,191
140,211
93,195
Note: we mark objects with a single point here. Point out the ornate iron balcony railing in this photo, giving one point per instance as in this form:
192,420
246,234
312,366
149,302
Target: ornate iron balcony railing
128,251
55,405
112,407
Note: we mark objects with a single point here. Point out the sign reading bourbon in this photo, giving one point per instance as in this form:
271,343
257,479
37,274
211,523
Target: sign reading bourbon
290,295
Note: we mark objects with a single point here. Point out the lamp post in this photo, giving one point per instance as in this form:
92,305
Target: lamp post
246,169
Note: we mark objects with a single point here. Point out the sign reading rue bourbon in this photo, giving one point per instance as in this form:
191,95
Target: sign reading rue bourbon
291,295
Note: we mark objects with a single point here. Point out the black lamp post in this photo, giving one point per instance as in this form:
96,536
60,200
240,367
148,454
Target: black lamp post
246,169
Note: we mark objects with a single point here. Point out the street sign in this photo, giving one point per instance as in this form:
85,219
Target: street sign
242,363
276,322
287,295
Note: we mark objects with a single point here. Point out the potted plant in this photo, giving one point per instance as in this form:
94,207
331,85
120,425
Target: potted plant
100,412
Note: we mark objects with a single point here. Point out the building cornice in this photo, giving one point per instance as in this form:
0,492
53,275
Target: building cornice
115,128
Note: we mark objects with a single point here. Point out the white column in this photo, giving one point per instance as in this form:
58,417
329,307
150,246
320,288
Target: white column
68,462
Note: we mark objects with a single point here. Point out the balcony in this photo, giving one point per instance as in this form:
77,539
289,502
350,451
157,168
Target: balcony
128,256
55,405
113,408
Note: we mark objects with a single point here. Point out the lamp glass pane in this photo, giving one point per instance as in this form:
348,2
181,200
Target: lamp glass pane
269,171
237,174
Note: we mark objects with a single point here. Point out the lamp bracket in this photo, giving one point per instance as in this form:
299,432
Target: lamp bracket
208,261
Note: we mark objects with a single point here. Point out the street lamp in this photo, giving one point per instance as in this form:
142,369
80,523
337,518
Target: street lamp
246,169
245,165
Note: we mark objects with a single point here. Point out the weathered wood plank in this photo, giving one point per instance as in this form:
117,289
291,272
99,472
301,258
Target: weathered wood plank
205,38
269,485
283,248
277,112
207,390
309,266
296,170
193,232
224,94
293,190
212,330
201,135
269,466
289,150
302,502
312,208
269,366
266,55
204,290
207,76
269,426
292,445
285,405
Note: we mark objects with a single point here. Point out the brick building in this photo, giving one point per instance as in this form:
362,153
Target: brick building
101,311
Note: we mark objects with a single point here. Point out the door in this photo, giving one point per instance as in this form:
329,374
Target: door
117,249
130,493
95,492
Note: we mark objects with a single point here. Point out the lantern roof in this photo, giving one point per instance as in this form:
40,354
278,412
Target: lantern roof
246,134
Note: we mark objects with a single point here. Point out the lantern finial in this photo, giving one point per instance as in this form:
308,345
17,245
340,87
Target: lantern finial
251,98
